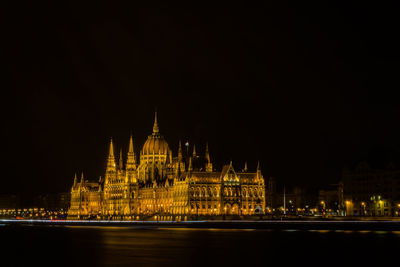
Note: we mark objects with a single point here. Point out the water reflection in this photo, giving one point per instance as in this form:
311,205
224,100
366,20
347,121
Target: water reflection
137,246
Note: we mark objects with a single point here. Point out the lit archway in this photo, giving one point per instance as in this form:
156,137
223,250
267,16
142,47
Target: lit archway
227,209
235,209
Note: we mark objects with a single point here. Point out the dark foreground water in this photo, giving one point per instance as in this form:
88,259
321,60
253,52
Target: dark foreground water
116,246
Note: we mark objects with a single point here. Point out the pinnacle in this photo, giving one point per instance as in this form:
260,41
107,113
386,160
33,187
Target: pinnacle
155,126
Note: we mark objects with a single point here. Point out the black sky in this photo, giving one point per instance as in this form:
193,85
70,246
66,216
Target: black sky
305,89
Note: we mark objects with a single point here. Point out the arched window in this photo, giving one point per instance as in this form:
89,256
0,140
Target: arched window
192,192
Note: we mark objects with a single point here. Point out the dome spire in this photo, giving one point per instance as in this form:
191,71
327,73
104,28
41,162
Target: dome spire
155,126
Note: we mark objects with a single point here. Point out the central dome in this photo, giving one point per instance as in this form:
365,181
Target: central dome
155,143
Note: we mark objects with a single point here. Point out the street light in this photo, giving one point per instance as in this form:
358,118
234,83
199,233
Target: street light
363,205
348,205
323,207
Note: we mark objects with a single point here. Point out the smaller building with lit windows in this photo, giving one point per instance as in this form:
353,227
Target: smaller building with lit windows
372,191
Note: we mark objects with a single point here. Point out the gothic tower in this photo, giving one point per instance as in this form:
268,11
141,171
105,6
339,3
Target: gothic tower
111,167
131,163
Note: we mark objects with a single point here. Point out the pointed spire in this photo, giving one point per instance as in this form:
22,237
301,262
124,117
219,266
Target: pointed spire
75,180
190,168
259,176
155,126
131,160
82,180
111,159
121,161
208,164
245,167
207,153
180,151
111,148
130,150
194,151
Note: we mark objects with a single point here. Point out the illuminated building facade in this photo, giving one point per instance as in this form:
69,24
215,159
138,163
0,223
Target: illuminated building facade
165,187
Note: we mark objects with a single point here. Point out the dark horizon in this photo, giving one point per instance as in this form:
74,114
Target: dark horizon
303,89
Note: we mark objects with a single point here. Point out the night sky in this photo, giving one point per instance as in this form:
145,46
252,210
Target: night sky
306,89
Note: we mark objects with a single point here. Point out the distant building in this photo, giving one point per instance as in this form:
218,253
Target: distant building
165,187
53,202
8,202
331,201
372,191
271,195
293,200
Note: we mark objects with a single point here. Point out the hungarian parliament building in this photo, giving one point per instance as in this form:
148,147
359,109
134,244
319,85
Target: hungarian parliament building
164,186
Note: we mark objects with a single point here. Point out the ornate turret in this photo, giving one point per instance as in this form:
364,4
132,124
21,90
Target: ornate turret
245,167
82,179
194,151
208,164
131,160
180,151
111,169
259,175
207,154
111,159
75,180
190,167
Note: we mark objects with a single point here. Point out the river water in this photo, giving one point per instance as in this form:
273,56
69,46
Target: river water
146,246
